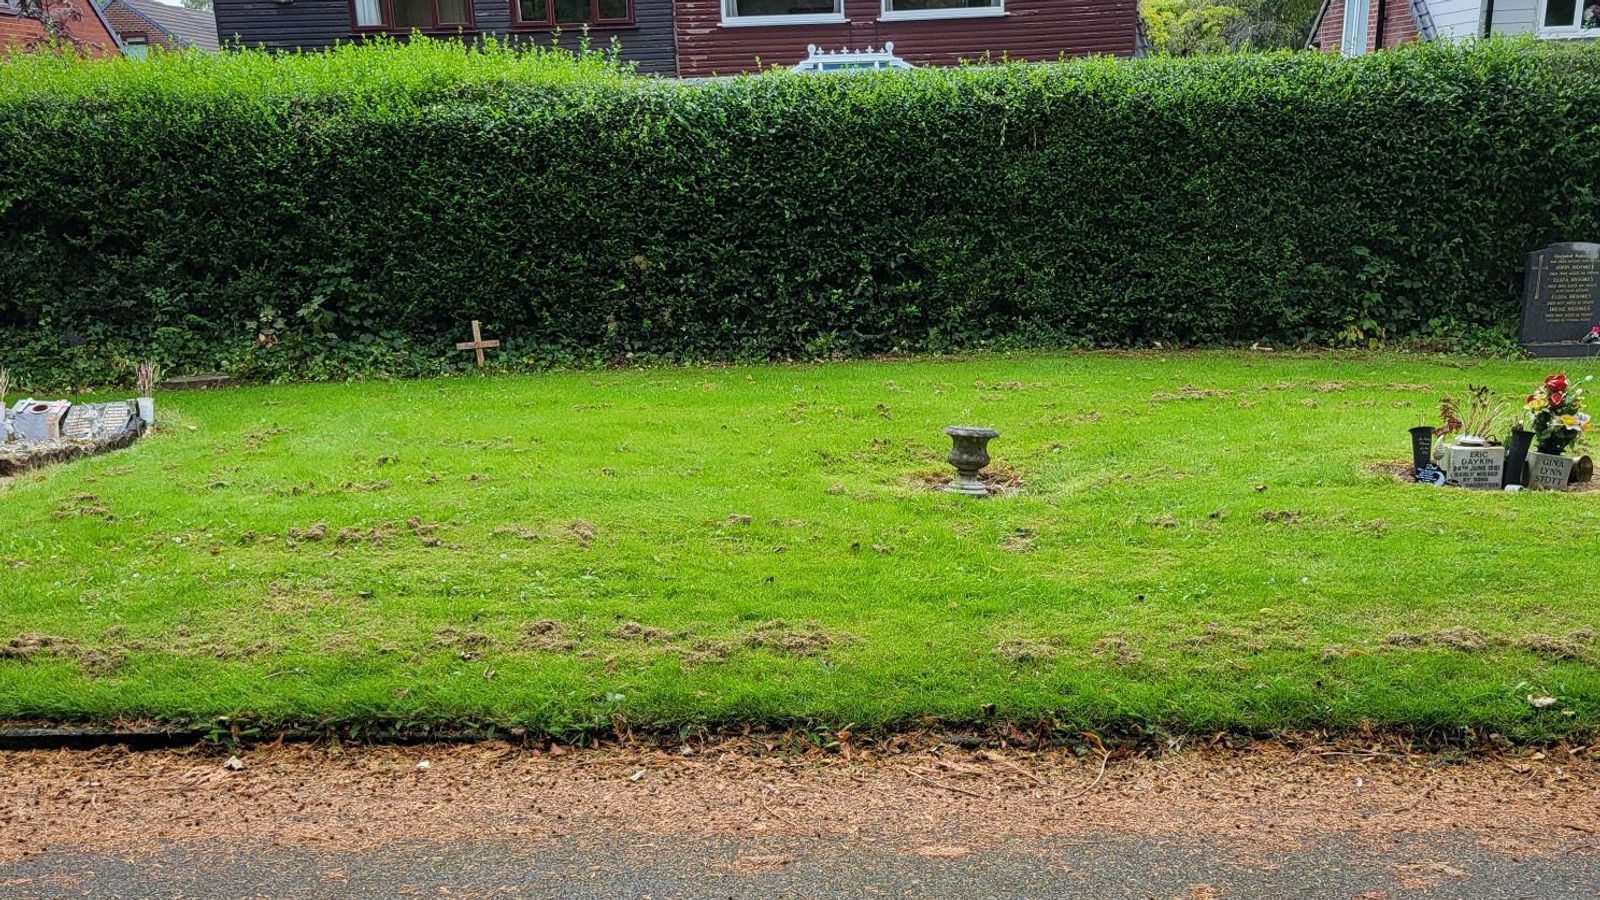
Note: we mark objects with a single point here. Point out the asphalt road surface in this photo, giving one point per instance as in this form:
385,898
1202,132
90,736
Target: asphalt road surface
601,866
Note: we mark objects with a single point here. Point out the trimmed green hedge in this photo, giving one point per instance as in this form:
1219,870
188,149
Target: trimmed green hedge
326,215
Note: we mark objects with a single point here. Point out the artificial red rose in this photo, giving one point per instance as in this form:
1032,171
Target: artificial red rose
1557,398
1556,383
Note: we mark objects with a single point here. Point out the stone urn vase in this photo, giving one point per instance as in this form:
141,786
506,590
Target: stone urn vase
969,453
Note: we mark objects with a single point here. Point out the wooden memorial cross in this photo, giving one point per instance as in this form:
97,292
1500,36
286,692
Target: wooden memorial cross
477,343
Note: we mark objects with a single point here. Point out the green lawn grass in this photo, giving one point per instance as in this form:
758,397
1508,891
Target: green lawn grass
1197,545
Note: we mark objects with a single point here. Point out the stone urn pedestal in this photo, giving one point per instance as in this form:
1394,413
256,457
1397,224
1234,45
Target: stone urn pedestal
969,453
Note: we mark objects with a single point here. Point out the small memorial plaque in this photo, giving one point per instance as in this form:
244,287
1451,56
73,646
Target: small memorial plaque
1549,473
1476,467
1561,300
79,423
1431,474
114,419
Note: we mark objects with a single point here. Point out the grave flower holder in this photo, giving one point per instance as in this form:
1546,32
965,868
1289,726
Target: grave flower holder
969,453
1517,446
1421,446
1582,470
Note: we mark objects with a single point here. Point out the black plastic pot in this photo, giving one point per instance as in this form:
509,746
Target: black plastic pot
1421,446
1517,446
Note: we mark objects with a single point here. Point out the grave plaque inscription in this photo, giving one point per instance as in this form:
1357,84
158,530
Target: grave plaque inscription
1549,473
1561,300
79,423
1476,467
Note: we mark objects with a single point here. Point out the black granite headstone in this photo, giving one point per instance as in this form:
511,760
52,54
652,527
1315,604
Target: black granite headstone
1561,300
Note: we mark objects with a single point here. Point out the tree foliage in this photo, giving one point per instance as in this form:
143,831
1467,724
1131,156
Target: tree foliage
1191,27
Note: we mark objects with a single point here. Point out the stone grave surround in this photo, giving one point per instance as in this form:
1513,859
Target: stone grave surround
1561,300
38,432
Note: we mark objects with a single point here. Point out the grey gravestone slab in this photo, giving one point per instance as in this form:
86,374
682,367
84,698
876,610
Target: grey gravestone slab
1476,467
114,419
1561,300
79,425
40,420
96,421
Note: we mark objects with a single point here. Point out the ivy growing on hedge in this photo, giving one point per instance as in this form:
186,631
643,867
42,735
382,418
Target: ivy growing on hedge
349,213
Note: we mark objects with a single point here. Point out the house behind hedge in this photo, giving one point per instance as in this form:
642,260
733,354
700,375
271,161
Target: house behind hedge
693,38
142,24
720,37
81,20
1354,27
643,28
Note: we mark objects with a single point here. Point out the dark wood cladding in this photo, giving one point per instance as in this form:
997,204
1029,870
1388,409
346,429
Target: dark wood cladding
291,25
312,24
1033,30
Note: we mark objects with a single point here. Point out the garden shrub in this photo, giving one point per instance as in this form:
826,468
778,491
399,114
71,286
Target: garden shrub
329,215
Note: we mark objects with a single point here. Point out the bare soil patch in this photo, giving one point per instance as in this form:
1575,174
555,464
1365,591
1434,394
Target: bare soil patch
1000,478
547,636
1268,798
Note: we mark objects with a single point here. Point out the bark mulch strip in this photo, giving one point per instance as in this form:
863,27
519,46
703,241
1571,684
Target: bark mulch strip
1265,799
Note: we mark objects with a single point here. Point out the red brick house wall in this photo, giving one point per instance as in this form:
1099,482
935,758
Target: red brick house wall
1399,25
1034,30
90,30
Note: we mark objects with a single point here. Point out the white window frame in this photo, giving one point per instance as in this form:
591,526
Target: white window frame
731,18
1575,30
886,14
1357,47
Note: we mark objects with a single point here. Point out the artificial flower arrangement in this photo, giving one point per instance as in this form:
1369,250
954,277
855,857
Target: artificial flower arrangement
1556,416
